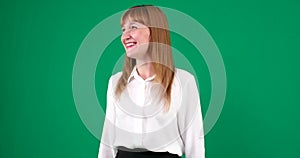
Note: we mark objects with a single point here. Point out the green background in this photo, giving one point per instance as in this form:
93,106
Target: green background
258,40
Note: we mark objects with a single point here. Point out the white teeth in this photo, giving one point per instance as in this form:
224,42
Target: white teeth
129,44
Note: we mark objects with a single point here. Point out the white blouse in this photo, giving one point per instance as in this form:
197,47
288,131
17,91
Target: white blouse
138,120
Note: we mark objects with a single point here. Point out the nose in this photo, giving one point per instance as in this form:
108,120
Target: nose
126,35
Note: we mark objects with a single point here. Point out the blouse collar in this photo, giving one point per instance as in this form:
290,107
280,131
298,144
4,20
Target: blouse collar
134,75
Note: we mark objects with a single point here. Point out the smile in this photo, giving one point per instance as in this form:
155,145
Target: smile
130,44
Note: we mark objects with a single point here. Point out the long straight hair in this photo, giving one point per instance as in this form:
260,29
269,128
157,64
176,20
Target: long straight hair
159,49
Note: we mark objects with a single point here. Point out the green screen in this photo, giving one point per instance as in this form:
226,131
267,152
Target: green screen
258,41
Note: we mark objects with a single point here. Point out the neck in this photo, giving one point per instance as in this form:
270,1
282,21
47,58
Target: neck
145,70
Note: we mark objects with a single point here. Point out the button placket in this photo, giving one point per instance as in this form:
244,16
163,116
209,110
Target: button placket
142,119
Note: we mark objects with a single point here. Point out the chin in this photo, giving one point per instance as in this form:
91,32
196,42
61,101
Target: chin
130,55
136,53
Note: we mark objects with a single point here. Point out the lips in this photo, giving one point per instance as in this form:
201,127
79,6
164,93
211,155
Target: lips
129,45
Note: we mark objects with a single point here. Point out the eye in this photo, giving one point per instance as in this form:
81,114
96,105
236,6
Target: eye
134,27
123,29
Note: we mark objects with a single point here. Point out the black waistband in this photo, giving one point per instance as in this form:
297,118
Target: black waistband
144,154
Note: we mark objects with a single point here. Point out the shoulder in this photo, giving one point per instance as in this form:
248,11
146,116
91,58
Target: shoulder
184,79
115,77
183,75
113,80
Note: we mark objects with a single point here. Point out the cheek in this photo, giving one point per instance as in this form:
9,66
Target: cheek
141,35
144,37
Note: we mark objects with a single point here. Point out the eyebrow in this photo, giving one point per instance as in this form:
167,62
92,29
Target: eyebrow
133,22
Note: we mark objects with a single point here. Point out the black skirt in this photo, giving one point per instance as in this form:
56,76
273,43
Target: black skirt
144,154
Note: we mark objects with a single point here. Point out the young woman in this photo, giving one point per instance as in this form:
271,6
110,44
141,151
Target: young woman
153,109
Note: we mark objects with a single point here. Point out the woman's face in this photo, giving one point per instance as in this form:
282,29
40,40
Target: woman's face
135,39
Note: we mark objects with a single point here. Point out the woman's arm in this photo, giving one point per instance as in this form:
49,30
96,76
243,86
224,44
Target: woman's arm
190,120
106,149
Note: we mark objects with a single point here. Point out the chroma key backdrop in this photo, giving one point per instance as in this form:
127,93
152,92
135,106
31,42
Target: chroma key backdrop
56,58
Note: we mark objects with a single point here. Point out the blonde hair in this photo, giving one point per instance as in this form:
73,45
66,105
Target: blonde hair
159,49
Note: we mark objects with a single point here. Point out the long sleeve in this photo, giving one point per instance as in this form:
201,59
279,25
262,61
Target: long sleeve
190,121
106,149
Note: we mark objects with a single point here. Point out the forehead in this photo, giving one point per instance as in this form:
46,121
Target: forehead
130,22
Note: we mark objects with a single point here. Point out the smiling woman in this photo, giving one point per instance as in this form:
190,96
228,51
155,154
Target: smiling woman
153,108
